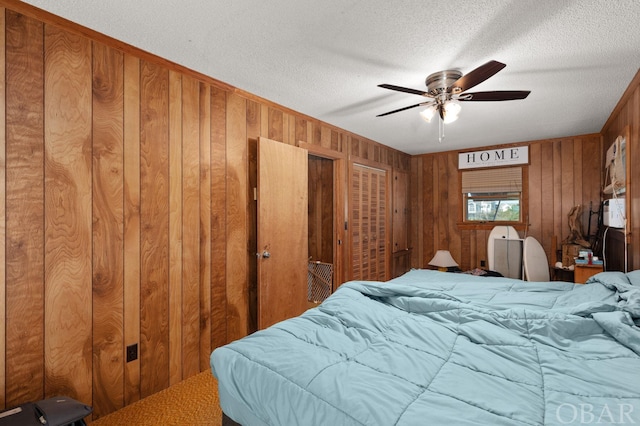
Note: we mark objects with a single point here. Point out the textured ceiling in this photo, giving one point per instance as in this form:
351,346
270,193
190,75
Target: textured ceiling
326,58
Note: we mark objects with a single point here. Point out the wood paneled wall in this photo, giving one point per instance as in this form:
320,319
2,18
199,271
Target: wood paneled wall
562,173
127,214
625,121
108,219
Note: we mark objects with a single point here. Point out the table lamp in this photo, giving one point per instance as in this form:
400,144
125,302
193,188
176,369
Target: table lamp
443,260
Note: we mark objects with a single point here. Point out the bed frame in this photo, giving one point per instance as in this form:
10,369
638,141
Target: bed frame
227,421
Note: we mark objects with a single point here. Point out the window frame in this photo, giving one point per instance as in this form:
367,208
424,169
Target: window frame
464,223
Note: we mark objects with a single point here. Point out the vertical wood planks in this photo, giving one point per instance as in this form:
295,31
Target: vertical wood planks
429,214
24,197
545,186
108,270
535,212
131,232
591,185
190,227
68,272
567,194
3,190
175,227
453,203
218,219
204,337
276,125
236,218
154,238
556,173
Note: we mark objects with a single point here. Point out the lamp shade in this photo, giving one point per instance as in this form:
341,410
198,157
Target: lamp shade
443,260
451,111
428,113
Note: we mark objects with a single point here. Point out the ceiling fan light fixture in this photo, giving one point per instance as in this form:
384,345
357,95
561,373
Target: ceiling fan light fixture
428,113
446,88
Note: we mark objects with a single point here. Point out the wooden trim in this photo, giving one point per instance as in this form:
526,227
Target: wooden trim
340,204
490,225
628,184
321,151
3,215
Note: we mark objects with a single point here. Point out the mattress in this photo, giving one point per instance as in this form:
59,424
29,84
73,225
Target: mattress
434,348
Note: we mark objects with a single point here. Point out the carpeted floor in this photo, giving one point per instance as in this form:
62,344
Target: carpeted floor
193,401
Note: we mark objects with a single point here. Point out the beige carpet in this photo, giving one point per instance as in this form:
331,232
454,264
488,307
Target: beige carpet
193,401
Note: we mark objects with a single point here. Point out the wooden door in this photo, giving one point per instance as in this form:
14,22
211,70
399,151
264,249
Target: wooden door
368,223
282,231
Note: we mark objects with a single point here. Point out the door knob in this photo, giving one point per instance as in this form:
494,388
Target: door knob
266,254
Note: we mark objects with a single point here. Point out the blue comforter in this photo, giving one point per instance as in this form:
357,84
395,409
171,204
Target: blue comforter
432,348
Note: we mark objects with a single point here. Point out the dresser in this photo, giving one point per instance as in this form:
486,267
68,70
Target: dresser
582,272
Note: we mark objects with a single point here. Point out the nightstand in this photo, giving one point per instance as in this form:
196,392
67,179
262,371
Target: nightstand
582,272
562,274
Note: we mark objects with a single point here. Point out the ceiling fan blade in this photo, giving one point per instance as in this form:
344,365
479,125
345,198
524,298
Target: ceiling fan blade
496,95
476,76
403,89
402,109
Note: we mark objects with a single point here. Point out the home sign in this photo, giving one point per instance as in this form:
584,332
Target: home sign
496,157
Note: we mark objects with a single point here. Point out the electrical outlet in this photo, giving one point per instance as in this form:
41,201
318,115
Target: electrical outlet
132,352
482,263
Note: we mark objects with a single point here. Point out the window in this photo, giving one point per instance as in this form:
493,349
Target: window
492,195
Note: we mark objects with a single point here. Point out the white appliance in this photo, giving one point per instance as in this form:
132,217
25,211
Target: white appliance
613,214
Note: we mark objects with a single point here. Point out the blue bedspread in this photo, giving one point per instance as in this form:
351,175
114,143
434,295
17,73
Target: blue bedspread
432,348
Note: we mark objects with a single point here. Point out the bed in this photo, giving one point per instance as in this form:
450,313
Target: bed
436,348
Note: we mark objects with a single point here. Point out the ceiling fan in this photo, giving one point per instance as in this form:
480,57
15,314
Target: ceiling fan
446,88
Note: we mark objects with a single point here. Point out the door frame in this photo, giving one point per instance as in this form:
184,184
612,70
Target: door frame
340,206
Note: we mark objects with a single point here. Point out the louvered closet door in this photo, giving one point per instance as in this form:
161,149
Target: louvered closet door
368,223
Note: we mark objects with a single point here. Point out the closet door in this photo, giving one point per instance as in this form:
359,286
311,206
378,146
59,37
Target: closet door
368,223
282,231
